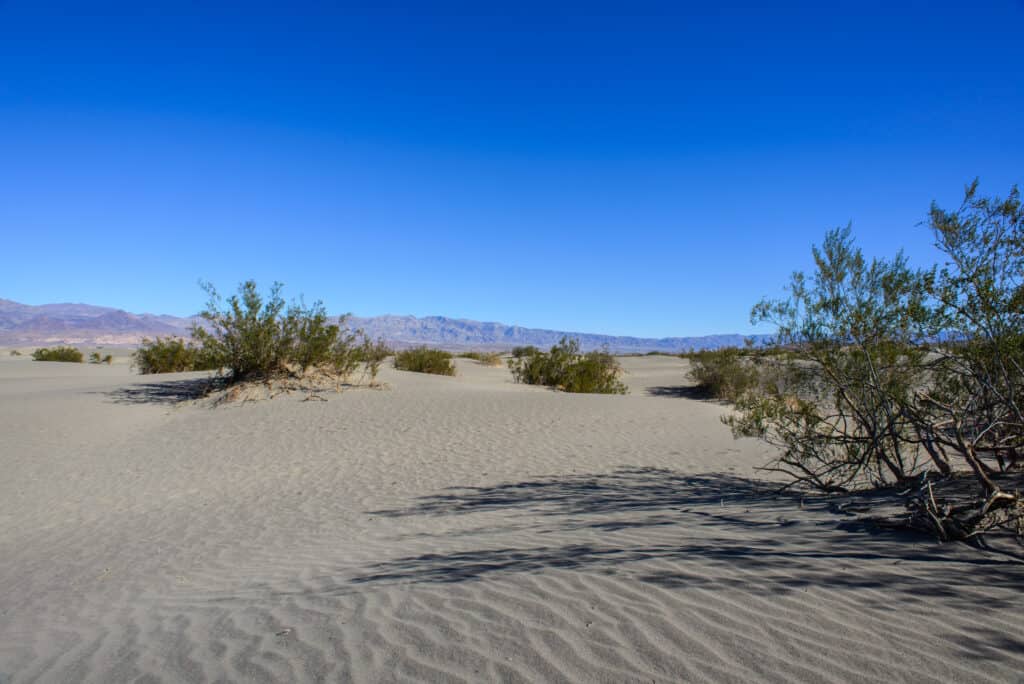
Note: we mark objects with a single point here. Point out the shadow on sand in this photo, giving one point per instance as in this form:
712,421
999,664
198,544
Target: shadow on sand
167,392
717,531
681,392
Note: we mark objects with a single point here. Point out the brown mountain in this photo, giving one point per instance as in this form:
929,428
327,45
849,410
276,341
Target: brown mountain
25,325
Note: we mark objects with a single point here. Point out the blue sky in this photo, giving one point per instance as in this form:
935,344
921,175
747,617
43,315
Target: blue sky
631,168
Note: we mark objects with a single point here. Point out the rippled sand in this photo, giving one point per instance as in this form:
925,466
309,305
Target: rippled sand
451,529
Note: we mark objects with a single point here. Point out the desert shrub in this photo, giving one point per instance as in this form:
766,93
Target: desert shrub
425,360
96,358
724,373
15,352
483,358
313,339
565,368
67,354
891,372
520,352
253,336
171,355
371,353
246,333
837,416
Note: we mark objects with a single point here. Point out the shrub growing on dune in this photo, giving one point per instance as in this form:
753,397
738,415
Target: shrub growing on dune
247,334
527,350
66,354
724,373
371,353
256,337
15,352
171,355
896,375
483,358
567,369
96,358
425,360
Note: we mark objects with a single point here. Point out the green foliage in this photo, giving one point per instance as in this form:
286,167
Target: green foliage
66,354
565,368
520,352
890,372
973,407
314,341
835,407
425,360
171,355
726,373
15,352
371,353
96,358
255,337
483,358
247,334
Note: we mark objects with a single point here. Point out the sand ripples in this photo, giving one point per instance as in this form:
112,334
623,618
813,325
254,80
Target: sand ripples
462,530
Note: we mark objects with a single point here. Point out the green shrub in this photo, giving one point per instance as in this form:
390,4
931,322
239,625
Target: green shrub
96,358
248,336
483,358
425,360
723,373
15,352
520,352
565,368
171,355
256,337
314,340
68,354
371,353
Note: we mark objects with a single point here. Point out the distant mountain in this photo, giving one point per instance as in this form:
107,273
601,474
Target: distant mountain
22,324
454,333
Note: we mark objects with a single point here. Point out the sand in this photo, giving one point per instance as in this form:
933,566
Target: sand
459,529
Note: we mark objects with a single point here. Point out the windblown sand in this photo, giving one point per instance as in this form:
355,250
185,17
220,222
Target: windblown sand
451,529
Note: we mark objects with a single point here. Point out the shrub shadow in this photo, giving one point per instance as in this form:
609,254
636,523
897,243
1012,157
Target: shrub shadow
695,392
718,531
166,392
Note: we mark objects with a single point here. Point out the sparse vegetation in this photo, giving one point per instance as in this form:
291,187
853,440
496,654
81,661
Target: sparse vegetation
15,352
96,358
520,352
425,360
897,375
65,354
567,369
725,373
171,355
256,340
483,358
371,353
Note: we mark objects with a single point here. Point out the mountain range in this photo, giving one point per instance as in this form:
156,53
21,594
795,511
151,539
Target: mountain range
26,325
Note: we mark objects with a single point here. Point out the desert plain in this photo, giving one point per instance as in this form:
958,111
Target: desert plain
463,529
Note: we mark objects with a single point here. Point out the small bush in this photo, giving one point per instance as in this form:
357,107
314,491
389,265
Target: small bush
425,360
67,354
96,358
371,353
723,373
171,355
15,352
520,352
483,358
565,368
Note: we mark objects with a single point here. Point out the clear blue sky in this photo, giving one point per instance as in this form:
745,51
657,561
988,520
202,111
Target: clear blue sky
630,168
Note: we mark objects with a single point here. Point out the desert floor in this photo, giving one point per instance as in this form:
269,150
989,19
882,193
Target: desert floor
452,529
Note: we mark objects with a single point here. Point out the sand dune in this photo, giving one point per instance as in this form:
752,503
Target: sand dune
451,529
